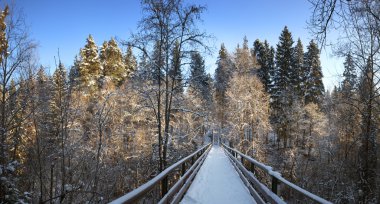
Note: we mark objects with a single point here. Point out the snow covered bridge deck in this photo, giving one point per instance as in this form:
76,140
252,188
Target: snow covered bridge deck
217,182
214,174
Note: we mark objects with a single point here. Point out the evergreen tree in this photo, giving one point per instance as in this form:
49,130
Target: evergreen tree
59,107
199,82
130,62
265,58
157,64
282,91
223,75
175,72
112,61
244,61
297,76
89,63
314,86
349,77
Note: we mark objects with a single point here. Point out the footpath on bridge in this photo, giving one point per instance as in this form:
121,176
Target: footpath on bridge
217,182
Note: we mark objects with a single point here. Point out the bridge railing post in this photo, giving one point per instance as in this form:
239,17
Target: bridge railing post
252,167
164,186
183,168
274,184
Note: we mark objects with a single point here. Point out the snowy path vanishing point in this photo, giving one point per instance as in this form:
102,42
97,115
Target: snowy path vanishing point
217,182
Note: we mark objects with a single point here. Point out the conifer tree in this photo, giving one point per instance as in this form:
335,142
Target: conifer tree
314,86
175,72
282,90
265,59
157,64
59,107
130,62
244,61
199,83
349,77
298,73
223,75
112,61
89,64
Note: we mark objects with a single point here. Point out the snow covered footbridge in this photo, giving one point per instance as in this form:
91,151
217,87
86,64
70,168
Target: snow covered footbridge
218,174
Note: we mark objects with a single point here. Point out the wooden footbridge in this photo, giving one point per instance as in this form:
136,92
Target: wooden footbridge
218,174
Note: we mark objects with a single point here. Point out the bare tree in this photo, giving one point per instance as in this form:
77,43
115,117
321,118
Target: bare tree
16,55
359,23
167,25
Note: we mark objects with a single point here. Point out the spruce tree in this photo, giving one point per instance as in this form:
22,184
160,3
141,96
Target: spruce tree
314,86
349,77
282,91
89,64
223,75
297,76
199,82
157,64
244,61
265,59
130,62
59,108
175,71
112,61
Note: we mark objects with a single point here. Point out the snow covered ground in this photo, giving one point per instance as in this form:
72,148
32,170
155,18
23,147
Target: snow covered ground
217,182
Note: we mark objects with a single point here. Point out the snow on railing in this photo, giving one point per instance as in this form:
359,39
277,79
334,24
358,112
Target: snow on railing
276,176
180,187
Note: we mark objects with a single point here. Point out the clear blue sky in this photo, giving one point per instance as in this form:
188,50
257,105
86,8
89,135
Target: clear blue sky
65,24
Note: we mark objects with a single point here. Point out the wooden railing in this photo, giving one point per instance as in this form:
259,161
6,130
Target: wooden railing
259,190
176,192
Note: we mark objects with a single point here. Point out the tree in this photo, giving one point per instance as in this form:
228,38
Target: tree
164,23
89,64
265,59
349,83
359,22
16,51
244,61
247,111
176,72
314,88
112,62
298,75
60,107
223,74
282,90
130,62
199,81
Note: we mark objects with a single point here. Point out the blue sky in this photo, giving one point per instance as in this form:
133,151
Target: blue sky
65,24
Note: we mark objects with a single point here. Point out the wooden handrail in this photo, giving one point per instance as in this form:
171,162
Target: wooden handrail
276,176
140,192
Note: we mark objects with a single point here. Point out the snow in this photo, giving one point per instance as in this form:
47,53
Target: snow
217,182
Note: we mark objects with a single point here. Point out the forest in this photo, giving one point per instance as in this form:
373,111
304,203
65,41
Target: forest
129,108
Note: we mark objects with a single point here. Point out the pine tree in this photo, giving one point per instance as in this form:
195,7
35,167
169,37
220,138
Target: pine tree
223,75
89,63
298,73
314,86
